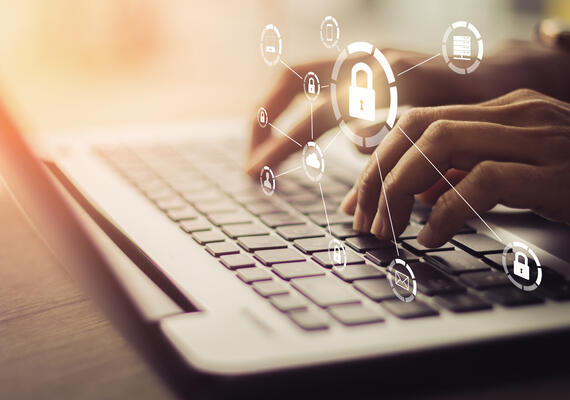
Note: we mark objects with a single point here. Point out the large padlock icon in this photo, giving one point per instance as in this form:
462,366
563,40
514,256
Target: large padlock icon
336,255
361,100
262,117
520,267
311,85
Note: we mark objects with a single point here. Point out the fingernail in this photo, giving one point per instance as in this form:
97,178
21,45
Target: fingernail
377,225
426,236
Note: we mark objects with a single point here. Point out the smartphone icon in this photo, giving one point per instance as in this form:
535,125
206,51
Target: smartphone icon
329,32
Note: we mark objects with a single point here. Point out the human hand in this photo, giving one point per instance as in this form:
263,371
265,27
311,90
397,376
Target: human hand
513,150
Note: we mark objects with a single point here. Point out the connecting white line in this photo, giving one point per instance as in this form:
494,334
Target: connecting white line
292,70
325,208
387,206
324,86
417,65
329,143
283,133
286,172
453,187
312,136
338,48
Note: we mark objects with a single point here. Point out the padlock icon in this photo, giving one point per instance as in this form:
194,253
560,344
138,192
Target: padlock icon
361,100
262,117
311,85
336,255
520,267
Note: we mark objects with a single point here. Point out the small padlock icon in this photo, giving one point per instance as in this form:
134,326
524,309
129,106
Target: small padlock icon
336,255
262,117
311,85
520,267
361,100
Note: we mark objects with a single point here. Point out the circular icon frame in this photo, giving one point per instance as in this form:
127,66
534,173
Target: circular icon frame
321,161
267,186
365,48
511,247
316,84
331,250
265,118
478,38
412,296
327,21
275,49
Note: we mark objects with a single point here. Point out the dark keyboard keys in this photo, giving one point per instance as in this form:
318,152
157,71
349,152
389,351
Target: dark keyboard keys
322,257
511,296
456,262
413,309
351,273
416,247
270,288
334,218
478,244
325,291
235,261
270,257
288,302
343,231
208,237
255,274
196,225
240,230
356,314
280,219
368,242
293,232
309,319
298,270
385,256
375,289
462,302
309,246
411,232
218,249
254,243
432,281
485,279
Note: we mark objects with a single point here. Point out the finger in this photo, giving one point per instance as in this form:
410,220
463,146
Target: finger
491,182
431,195
444,145
276,149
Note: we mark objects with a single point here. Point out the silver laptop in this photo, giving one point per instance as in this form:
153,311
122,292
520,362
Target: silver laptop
238,283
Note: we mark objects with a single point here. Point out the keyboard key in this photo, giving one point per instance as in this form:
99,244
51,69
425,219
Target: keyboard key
485,279
288,302
496,260
315,207
262,207
511,296
420,213
462,302
325,291
270,257
197,225
385,256
478,244
207,207
208,237
351,273
334,218
255,274
375,289
432,281
221,248
309,319
230,218
294,232
270,288
322,257
235,261
416,247
368,242
413,309
240,230
280,219
411,232
343,231
356,314
309,246
184,213
171,203
297,270
456,262
254,243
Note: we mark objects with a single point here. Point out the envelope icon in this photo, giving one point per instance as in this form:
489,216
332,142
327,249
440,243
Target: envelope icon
402,280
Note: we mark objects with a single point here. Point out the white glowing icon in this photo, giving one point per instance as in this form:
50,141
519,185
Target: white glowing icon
313,161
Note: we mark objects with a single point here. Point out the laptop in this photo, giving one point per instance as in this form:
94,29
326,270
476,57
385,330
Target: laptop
236,284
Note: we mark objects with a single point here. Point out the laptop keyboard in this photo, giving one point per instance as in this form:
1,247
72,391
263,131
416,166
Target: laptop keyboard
278,245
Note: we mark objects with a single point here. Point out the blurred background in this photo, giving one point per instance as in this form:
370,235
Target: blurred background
69,64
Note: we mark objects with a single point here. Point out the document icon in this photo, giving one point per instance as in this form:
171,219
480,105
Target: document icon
462,47
402,280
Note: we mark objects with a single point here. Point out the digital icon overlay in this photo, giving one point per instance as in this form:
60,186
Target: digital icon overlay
465,38
402,280
311,86
330,32
262,117
313,161
271,44
522,266
267,181
361,100
337,254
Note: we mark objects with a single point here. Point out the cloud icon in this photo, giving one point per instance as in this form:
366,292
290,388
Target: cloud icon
313,161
